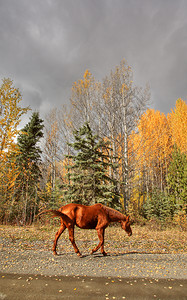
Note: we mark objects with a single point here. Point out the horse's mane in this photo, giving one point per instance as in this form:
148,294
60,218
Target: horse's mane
114,214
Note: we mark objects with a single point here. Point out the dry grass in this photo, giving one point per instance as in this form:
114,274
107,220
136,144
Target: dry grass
144,239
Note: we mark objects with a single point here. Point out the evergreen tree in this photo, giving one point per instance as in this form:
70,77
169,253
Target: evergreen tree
158,206
88,179
177,179
28,163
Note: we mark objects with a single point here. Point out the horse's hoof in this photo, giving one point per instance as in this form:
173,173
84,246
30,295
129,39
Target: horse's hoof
79,254
55,253
105,254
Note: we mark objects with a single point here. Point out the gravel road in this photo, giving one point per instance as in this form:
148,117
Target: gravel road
30,271
39,260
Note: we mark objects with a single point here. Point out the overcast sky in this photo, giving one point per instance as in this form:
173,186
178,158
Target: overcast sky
46,45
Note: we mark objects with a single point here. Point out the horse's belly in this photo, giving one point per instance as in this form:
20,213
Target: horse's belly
86,224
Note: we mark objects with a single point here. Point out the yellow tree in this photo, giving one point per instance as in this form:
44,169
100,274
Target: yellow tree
85,99
178,125
10,117
82,97
150,150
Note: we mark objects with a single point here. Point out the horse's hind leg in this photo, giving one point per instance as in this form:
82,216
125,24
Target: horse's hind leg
57,235
100,233
72,239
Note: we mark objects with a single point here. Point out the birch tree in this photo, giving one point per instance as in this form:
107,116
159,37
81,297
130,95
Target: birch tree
124,104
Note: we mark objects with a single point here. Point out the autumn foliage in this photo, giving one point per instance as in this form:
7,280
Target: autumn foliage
151,150
147,150
177,120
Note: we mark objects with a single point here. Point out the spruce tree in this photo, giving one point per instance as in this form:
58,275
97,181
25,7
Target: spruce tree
157,206
88,179
28,162
177,179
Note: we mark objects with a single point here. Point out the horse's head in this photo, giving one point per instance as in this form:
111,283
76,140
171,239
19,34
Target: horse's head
126,226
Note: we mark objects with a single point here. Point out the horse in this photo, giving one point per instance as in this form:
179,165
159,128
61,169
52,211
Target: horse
97,216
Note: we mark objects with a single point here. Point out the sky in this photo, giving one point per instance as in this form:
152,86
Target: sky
47,45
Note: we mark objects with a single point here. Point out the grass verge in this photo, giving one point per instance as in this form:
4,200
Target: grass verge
143,240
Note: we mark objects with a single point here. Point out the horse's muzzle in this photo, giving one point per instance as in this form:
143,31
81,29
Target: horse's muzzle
130,233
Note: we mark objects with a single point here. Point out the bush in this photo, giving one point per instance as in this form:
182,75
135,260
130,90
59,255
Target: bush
180,219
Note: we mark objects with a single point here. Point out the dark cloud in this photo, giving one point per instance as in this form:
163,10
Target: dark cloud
47,45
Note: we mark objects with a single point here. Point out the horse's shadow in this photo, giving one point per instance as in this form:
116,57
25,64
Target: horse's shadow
109,255
98,255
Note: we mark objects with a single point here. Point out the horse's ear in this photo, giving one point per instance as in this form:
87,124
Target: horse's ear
127,219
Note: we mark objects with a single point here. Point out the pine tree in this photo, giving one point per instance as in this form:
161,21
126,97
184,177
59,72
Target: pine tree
88,179
28,162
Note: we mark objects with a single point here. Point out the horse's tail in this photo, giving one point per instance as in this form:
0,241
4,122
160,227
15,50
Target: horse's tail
55,213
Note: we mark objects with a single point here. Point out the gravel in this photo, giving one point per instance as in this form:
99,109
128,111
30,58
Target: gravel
38,259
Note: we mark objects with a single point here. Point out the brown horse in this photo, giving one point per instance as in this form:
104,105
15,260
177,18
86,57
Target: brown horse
96,217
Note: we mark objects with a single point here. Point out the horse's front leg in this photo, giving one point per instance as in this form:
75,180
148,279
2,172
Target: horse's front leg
57,235
101,233
72,239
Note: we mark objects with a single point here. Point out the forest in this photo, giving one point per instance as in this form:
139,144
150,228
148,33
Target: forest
105,145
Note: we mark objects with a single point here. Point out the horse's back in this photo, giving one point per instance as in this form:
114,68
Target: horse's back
73,206
72,209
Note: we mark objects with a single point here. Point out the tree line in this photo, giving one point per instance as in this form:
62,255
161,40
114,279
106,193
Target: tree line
105,145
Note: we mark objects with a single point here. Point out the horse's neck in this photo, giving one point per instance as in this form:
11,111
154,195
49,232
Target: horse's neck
114,215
